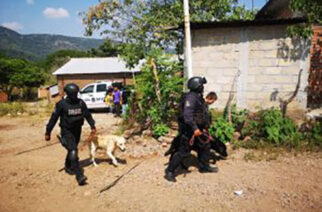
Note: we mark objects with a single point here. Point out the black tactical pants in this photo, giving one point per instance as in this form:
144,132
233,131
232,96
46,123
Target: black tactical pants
184,150
203,150
70,140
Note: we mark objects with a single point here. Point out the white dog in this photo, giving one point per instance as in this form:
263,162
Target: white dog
107,142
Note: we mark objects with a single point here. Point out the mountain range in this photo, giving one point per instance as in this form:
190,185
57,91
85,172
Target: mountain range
37,46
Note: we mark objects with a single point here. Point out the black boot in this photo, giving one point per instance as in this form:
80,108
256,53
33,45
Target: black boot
74,165
170,151
184,167
81,179
207,169
69,170
170,176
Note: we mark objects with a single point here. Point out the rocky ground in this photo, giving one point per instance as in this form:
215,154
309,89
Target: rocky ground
32,181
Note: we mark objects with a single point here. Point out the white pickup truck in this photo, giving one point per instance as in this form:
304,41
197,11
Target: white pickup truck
94,95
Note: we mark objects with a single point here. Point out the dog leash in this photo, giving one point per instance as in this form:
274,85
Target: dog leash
205,133
87,141
209,137
192,139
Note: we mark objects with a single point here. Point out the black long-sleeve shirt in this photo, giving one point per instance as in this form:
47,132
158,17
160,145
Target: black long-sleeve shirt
71,115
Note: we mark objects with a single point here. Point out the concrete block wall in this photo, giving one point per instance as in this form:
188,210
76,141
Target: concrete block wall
263,61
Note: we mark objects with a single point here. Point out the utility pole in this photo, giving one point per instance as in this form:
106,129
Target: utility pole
188,57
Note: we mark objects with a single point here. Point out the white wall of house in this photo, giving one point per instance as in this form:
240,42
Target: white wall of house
265,63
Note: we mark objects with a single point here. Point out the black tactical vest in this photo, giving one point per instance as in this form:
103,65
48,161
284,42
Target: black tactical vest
200,115
73,114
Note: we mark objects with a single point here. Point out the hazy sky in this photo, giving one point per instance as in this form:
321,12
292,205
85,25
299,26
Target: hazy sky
54,16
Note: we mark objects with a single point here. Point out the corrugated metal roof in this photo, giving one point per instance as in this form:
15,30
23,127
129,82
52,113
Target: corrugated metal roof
104,65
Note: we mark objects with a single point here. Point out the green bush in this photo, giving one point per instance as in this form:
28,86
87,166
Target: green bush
11,108
252,128
314,136
222,130
160,130
238,118
158,89
269,128
272,127
215,114
317,131
278,129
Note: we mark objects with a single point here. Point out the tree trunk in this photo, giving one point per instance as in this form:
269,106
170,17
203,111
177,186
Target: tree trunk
231,97
156,78
284,103
9,90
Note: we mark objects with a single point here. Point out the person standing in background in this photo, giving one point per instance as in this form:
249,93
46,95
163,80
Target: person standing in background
210,99
124,101
109,99
117,101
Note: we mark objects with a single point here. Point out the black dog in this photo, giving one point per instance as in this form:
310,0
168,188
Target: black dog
216,145
219,147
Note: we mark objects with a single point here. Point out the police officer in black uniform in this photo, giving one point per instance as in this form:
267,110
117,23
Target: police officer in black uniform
72,112
195,121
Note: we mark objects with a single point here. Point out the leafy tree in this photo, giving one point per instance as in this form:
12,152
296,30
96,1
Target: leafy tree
138,25
4,74
18,73
312,10
242,13
131,53
107,49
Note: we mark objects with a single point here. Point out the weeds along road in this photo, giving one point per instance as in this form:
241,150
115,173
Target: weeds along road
32,181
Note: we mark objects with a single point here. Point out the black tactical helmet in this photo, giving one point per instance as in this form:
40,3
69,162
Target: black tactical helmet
196,83
71,89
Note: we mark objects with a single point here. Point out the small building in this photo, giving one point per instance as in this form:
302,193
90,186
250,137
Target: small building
255,60
83,71
49,92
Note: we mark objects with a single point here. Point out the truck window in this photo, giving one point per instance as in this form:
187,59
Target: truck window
89,89
101,88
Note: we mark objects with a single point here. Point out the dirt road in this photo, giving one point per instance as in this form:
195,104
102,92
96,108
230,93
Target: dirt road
32,181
